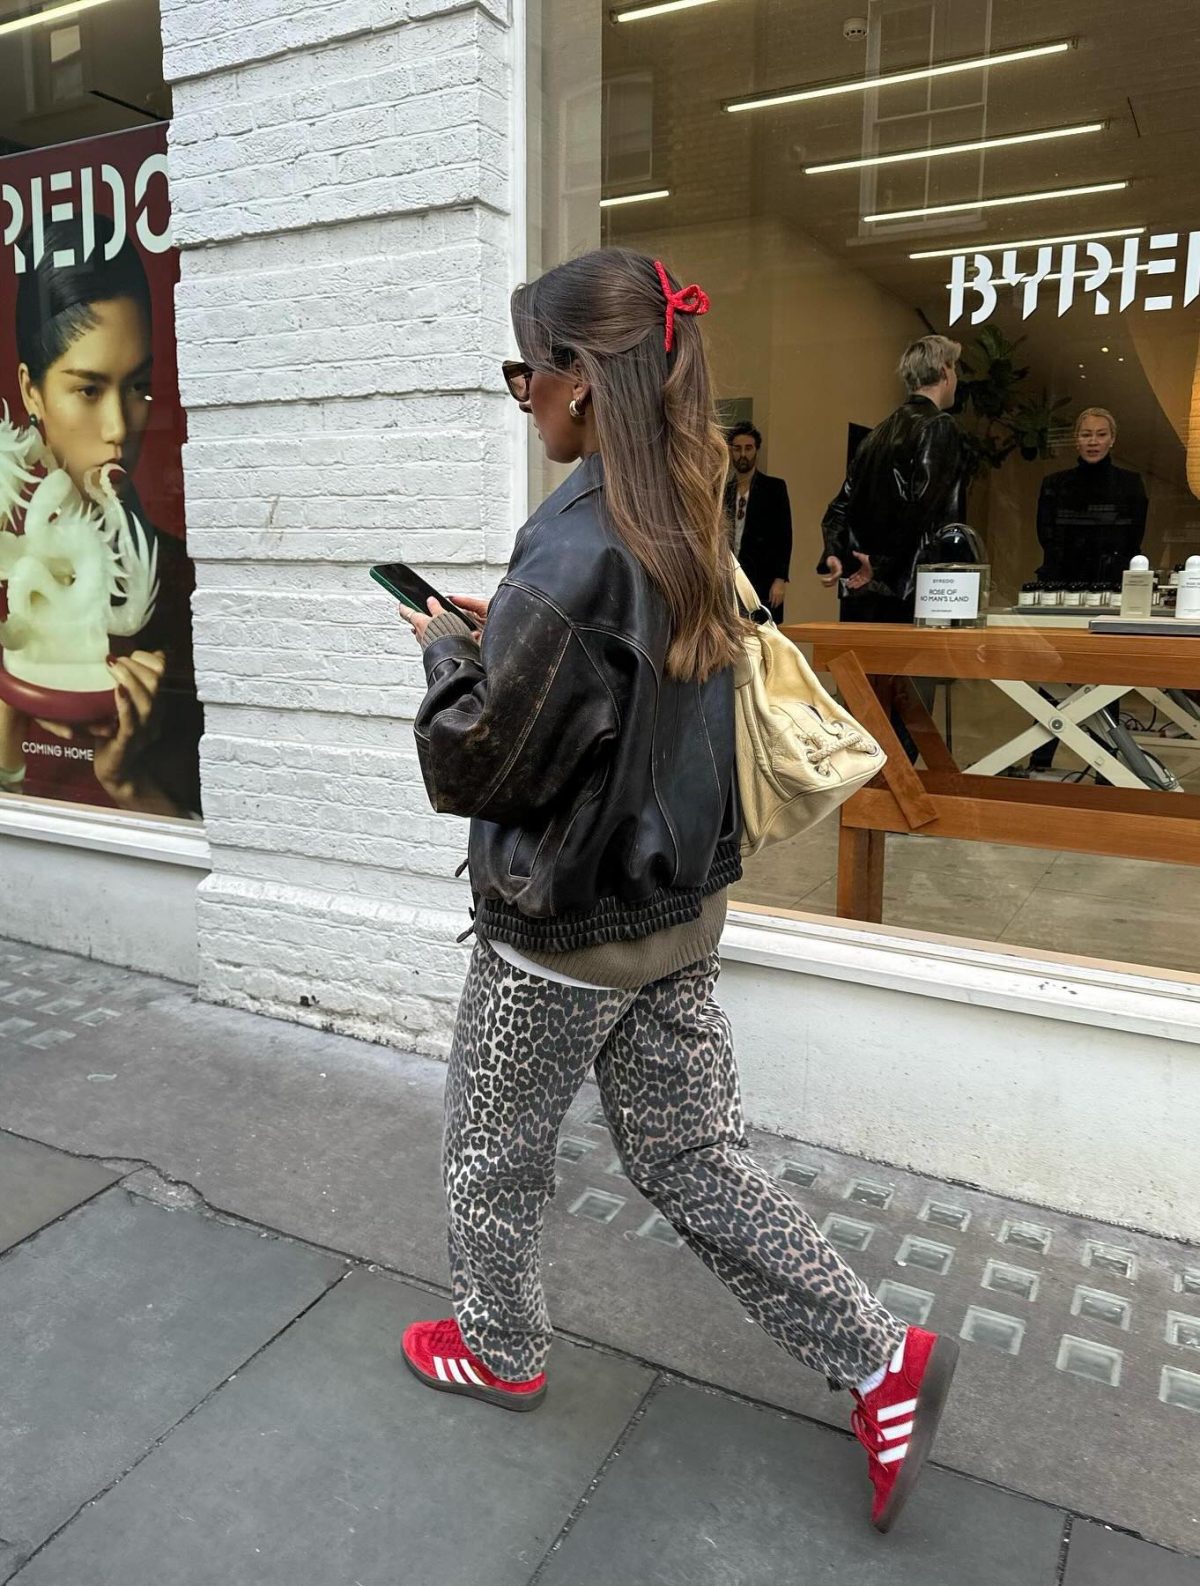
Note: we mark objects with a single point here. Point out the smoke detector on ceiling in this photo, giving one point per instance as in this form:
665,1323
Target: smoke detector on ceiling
855,29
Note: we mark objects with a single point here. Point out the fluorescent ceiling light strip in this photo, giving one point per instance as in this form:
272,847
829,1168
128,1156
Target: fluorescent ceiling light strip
1033,242
635,198
998,203
862,85
54,14
659,9
940,150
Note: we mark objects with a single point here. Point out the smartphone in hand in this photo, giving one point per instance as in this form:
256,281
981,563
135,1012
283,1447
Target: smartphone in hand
415,592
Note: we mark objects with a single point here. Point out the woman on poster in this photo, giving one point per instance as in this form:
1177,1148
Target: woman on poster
85,351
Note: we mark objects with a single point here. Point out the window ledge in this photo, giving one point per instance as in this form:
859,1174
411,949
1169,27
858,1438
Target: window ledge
1045,985
106,831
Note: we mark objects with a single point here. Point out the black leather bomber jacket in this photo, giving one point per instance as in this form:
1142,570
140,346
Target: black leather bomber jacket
907,481
601,794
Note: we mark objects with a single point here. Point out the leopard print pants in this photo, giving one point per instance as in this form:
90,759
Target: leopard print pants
664,1061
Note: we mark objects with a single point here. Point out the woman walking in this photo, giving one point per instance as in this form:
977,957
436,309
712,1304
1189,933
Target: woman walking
590,739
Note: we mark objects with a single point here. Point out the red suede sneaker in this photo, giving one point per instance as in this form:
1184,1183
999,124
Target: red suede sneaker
435,1352
896,1421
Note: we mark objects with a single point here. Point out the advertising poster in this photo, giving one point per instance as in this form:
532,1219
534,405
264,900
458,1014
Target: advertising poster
97,687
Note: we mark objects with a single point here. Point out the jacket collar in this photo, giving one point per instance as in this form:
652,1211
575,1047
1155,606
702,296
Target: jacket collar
587,478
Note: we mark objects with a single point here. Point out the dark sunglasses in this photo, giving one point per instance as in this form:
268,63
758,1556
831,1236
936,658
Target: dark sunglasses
517,376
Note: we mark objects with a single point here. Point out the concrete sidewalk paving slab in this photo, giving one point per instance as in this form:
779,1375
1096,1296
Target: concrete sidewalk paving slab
118,1320
1099,1557
322,1137
37,1185
336,1142
708,1489
1112,1450
326,1461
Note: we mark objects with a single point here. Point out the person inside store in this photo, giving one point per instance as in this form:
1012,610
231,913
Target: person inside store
590,738
85,350
760,520
907,481
1091,521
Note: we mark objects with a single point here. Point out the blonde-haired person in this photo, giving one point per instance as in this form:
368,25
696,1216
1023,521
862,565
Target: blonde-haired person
1091,521
590,739
907,480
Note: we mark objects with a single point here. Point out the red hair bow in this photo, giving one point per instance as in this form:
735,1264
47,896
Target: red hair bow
688,300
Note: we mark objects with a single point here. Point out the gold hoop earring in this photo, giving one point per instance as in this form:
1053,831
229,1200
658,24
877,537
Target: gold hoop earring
575,410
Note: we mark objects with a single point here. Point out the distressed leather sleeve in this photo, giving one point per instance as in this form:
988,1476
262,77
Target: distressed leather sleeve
509,728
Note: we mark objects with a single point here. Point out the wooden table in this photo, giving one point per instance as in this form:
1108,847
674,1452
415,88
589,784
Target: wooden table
870,663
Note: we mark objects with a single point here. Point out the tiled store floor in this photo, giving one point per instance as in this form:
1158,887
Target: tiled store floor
1089,905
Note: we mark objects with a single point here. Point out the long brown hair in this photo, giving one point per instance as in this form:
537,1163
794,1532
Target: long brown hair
665,460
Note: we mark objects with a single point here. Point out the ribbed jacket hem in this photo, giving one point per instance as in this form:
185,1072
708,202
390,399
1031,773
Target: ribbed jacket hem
612,919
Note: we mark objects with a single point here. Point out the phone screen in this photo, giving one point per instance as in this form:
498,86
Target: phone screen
416,592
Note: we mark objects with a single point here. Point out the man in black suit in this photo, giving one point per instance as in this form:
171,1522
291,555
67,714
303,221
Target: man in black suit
760,520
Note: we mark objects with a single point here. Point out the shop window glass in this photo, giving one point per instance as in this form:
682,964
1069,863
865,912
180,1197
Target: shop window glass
66,64
832,230
98,703
629,129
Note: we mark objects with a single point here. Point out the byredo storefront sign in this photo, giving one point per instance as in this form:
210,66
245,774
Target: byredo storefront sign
947,597
1114,278
134,197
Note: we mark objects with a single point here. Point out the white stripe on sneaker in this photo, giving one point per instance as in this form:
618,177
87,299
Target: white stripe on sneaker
473,1374
456,1371
891,1455
891,1433
439,1365
895,1411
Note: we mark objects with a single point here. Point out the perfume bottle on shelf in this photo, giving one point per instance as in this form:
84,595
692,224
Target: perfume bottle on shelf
1137,589
1187,604
953,580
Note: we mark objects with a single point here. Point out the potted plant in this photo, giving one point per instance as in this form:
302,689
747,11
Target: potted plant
989,390
1032,420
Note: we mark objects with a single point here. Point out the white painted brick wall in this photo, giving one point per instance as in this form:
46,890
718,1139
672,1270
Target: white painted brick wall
341,188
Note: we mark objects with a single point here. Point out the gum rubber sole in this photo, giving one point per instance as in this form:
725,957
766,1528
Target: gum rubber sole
505,1401
931,1401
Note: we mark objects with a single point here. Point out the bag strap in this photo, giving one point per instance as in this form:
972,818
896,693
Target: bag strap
750,606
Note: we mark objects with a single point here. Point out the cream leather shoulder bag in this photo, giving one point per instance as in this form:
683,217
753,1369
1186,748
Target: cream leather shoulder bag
799,754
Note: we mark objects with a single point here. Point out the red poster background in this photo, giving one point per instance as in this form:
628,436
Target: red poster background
158,478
